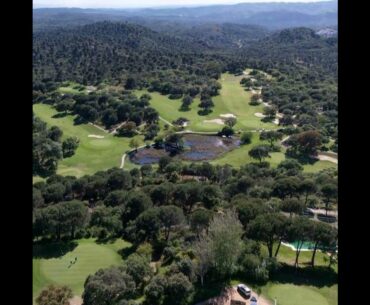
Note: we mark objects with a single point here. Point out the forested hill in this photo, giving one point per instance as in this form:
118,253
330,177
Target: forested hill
270,15
107,51
296,48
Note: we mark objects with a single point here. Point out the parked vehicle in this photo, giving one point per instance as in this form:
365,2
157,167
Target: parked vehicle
244,290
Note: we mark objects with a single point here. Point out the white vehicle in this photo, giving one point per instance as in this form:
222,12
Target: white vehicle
244,290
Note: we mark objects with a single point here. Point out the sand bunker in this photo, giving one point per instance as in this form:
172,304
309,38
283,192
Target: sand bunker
95,136
215,121
227,115
259,115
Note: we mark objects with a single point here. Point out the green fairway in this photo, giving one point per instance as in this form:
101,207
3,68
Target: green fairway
289,294
233,99
90,257
92,154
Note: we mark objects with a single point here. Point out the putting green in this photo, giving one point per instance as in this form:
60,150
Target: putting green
289,294
90,257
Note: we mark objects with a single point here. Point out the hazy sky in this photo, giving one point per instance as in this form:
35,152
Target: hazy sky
141,3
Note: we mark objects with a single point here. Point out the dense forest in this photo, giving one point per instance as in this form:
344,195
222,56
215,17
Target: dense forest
170,215
303,64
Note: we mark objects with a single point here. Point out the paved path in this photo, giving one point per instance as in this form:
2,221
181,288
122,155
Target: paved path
324,157
125,154
97,126
164,120
229,294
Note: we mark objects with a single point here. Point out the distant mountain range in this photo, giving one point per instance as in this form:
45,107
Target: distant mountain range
270,15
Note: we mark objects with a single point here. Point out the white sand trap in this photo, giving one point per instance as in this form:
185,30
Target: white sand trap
184,124
215,121
95,136
259,115
327,158
228,115
76,300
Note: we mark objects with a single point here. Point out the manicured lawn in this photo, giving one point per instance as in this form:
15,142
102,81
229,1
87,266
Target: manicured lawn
54,269
290,294
318,166
232,99
92,154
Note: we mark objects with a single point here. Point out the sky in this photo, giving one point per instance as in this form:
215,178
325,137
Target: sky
142,3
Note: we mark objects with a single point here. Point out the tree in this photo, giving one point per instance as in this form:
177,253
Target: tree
177,290
170,216
64,105
186,195
267,228
154,291
212,196
138,267
307,142
246,138
130,83
292,205
259,152
109,117
108,286
203,255
134,144
54,295
69,146
119,179
206,103
226,131
300,231
231,121
330,192
323,235
145,227
137,202
108,218
127,130
290,167
270,136
174,142
199,220
186,102
269,112
224,232
55,133
286,186
307,187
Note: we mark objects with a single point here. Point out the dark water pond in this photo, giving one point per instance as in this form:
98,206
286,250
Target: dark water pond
197,148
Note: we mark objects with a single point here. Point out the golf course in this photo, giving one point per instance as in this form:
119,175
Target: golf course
99,150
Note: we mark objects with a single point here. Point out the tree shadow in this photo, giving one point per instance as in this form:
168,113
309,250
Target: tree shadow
213,289
204,112
59,115
106,240
53,250
78,120
126,252
318,276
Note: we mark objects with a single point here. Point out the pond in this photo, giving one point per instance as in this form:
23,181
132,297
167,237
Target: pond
196,148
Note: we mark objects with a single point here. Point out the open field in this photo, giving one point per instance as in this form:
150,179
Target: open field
52,267
92,154
233,99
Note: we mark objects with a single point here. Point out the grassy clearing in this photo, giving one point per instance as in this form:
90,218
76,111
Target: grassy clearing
91,256
92,154
232,99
